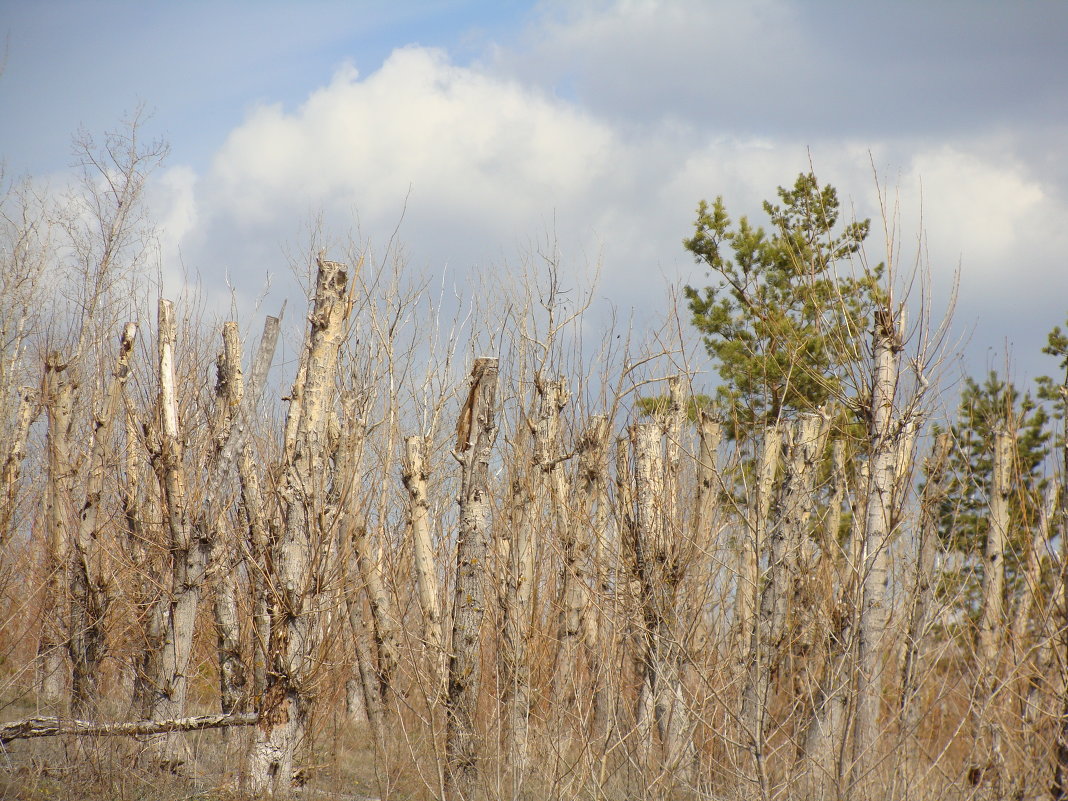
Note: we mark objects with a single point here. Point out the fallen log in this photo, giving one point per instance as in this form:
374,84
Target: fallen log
53,726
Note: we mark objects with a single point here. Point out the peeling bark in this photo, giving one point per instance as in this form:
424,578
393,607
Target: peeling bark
58,398
16,453
884,431
90,593
415,472
476,431
295,581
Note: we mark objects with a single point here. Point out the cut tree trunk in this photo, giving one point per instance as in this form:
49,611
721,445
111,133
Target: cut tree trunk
786,533
52,726
884,432
988,765
593,517
90,593
12,466
923,584
415,472
58,398
659,573
188,551
476,431
295,582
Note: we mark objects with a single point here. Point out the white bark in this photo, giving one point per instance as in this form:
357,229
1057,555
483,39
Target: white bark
1037,555
592,527
415,473
53,726
59,490
189,552
516,601
476,432
874,612
229,395
659,573
16,452
710,432
990,624
748,593
296,583
988,767
89,584
786,533
923,585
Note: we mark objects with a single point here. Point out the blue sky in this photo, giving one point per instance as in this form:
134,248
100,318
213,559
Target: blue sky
484,128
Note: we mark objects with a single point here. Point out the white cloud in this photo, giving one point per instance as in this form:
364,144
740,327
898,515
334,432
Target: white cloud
480,163
461,140
980,206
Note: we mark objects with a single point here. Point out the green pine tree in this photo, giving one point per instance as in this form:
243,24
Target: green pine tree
782,322
965,512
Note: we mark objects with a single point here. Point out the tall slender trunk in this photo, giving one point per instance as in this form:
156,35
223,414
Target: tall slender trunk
260,542
645,534
12,466
659,572
710,433
516,599
884,431
415,472
90,593
786,532
1037,554
476,431
188,550
225,560
369,567
296,579
258,534
1030,661
988,767
747,597
594,518
58,398
923,583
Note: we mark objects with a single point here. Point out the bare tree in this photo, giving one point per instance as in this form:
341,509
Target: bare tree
884,430
90,585
296,580
476,431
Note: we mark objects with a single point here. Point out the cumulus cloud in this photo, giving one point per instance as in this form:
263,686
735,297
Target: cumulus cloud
480,162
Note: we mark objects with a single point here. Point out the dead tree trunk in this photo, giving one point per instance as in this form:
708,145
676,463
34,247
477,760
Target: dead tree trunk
786,533
260,542
415,473
644,534
516,612
988,767
923,583
710,432
225,561
362,564
89,587
747,597
659,572
188,551
594,518
12,466
476,431
749,657
1036,556
252,511
58,398
884,432
296,581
